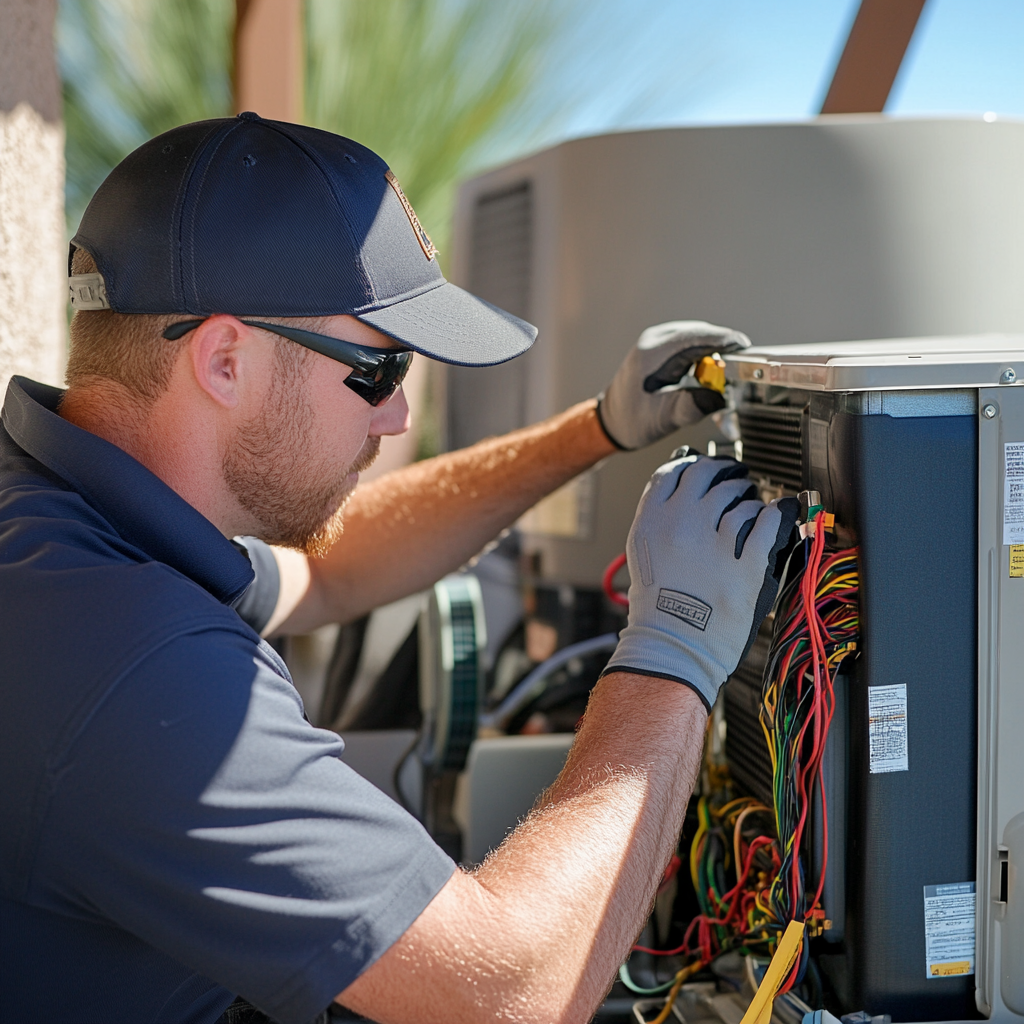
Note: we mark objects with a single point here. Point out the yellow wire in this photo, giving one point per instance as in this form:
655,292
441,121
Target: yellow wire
674,991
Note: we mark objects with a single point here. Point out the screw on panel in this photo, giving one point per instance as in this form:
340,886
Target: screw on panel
758,373
1008,376
989,411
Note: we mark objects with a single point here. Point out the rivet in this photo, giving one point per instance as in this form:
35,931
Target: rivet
1008,376
989,411
758,374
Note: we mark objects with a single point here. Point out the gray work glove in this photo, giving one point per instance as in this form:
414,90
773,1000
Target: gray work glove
703,570
651,394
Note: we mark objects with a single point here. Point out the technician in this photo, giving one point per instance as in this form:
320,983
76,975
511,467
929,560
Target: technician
178,843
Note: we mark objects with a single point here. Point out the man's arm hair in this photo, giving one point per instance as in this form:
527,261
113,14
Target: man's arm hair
536,933
409,528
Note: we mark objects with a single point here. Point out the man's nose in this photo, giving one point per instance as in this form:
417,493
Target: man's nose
392,417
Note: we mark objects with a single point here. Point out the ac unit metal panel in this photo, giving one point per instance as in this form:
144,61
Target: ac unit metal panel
916,476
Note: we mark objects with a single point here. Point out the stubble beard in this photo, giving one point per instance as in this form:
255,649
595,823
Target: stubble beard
281,477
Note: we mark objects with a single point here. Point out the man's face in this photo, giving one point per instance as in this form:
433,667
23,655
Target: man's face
296,461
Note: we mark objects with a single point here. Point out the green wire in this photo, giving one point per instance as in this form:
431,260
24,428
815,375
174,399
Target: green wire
637,990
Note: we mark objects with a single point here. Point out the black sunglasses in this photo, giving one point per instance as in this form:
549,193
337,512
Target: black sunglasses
377,373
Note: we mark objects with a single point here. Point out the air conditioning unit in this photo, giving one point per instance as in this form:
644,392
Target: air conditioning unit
908,233
843,227
917,447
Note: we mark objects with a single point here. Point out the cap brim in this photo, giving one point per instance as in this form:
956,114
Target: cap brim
450,324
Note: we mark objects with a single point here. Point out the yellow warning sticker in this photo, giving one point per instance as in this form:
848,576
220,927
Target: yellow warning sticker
951,970
1016,560
949,913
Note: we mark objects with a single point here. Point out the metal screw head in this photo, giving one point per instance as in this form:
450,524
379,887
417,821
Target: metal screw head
758,373
989,411
1008,376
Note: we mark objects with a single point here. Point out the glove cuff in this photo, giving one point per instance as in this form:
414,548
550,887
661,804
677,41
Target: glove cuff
653,653
604,426
658,675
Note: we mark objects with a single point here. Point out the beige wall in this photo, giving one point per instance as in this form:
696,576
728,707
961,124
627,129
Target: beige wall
33,269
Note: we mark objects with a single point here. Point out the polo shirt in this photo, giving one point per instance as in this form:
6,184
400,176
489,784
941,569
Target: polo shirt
174,832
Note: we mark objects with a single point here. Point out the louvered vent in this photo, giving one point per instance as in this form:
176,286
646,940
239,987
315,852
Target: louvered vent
490,401
502,246
745,746
772,442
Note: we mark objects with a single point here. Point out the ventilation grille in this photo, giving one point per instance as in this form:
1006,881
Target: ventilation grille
488,401
771,442
502,247
746,749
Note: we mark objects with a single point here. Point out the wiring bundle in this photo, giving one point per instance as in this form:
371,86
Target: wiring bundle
745,858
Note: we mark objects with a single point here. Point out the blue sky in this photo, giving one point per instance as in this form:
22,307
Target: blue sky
722,61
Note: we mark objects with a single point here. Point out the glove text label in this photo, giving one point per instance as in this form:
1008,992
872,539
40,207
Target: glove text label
684,607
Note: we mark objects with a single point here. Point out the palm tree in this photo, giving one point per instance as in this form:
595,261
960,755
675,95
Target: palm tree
132,69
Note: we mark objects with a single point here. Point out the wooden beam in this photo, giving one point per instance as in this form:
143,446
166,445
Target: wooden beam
269,57
872,56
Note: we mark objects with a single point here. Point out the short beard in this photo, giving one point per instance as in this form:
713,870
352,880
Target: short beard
273,471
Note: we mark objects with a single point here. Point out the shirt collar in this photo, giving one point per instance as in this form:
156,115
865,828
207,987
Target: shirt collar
138,504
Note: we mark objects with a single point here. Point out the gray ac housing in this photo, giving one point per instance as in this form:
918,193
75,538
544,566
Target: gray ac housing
838,228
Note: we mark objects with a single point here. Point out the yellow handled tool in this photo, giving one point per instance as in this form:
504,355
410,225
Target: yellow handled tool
760,1009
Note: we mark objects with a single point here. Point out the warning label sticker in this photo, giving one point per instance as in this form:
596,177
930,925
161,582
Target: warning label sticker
887,729
1017,561
1013,494
949,929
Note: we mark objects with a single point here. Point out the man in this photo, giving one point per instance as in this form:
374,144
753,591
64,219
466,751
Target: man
249,295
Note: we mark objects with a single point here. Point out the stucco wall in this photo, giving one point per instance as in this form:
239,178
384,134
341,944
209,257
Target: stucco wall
33,258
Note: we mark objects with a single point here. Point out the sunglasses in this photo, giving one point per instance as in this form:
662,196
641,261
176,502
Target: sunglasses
377,373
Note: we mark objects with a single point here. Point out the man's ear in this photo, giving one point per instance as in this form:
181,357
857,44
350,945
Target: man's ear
216,353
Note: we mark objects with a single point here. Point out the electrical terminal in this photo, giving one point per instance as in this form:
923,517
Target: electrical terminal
816,923
808,529
810,506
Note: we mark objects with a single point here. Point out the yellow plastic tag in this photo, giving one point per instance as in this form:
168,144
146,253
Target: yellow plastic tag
1016,561
710,373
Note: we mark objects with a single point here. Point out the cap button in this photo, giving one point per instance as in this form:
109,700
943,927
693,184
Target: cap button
249,115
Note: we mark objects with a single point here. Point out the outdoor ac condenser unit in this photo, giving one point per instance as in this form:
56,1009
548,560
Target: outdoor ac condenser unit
805,235
917,447
842,227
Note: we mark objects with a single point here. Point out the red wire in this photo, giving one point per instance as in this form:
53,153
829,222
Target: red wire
608,582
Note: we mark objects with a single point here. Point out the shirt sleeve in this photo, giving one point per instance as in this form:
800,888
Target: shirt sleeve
258,601
199,811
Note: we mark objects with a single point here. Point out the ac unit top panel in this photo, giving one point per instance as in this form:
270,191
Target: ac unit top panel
964,361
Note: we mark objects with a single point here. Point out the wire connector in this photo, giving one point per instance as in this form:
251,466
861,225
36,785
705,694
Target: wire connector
828,520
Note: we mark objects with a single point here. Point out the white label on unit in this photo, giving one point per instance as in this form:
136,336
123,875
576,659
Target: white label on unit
949,912
1013,494
887,728
567,512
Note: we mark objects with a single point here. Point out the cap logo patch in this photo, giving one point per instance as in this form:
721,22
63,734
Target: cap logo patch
428,247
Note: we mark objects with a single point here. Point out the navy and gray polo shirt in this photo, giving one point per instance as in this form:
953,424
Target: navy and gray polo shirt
173,832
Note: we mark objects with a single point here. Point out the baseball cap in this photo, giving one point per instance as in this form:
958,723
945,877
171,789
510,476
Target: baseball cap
262,218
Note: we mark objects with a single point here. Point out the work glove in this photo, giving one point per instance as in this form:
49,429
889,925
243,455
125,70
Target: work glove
704,567
651,394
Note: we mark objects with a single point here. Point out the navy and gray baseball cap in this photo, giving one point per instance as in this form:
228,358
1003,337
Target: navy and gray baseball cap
262,218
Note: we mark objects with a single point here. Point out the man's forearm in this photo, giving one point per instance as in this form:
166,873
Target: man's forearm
536,933
597,845
407,529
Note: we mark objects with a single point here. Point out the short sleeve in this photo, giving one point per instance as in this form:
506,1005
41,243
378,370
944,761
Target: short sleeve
199,811
256,604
